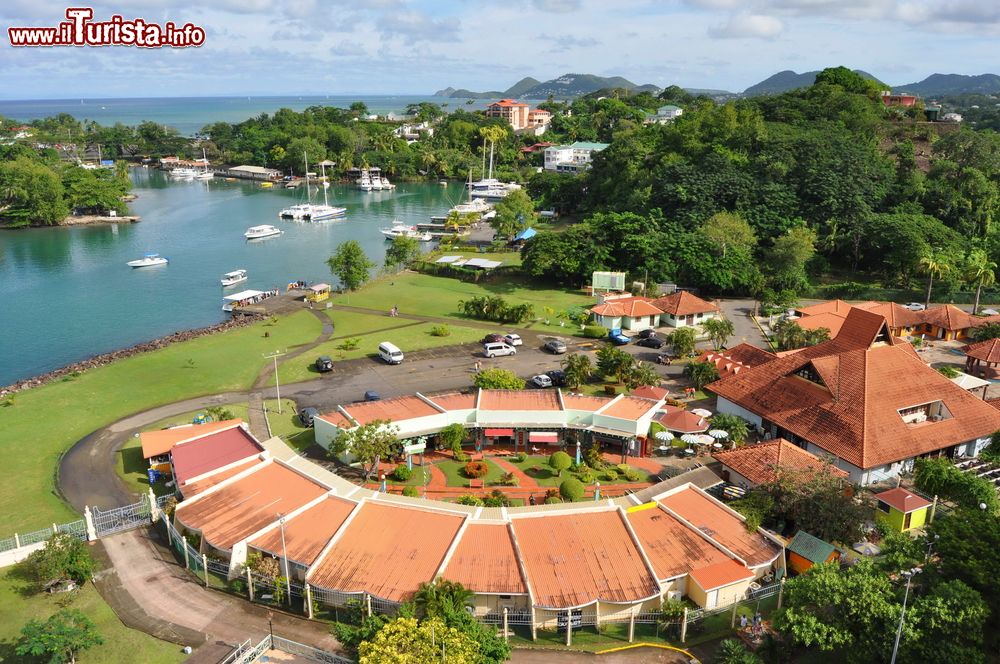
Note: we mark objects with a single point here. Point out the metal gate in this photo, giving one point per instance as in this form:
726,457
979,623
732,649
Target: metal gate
122,518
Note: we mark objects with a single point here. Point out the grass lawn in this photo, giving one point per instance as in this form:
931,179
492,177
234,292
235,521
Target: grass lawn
455,471
439,296
416,479
121,644
545,476
408,336
55,416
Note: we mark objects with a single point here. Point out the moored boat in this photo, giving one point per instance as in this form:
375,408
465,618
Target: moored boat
233,278
149,260
260,232
399,229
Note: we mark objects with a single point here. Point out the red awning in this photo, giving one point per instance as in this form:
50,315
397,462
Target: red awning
498,433
543,437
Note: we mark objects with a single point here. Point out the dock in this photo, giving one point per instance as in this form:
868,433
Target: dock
285,303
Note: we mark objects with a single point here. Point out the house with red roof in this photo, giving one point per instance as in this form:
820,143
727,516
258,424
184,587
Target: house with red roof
683,309
752,465
627,313
514,112
864,398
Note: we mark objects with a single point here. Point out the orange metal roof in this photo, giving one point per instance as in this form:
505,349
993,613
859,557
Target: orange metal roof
627,306
336,418
455,401
672,548
721,525
721,574
387,551
484,561
583,402
683,303
758,463
234,512
191,489
574,559
629,408
308,532
518,400
400,408
207,453
902,500
155,443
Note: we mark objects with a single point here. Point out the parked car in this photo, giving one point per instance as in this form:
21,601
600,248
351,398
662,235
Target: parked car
555,346
914,306
513,339
498,349
307,416
616,337
558,377
323,364
541,380
651,342
494,338
647,333
372,395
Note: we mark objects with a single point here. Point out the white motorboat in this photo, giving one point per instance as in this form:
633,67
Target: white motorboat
259,232
183,173
149,260
399,229
386,184
233,278
322,212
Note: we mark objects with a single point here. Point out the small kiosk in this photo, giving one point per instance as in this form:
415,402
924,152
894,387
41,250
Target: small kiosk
318,293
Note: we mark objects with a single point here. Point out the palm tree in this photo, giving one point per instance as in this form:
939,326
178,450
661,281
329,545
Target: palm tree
980,270
933,264
701,373
441,597
641,374
719,330
578,369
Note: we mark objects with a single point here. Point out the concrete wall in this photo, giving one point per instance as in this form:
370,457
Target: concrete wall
14,556
486,603
724,405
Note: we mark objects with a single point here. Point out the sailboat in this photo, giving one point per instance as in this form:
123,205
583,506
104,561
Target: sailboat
325,211
309,212
490,188
204,174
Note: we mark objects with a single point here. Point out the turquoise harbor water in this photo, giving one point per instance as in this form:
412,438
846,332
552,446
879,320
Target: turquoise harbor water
67,293
189,114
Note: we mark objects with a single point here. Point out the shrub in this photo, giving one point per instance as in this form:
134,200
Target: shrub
560,461
476,469
411,492
519,457
451,437
632,475
586,475
497,498
941,477
461,457
350,344
63,557
571,489
610,475
402,473
553,500
623,468
468,499
594,458
440,331
594,332
991,452
509,479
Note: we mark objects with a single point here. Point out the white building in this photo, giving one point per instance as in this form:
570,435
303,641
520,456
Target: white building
571,158
665,114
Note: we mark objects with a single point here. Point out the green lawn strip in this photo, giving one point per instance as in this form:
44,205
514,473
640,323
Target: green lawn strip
587,639
353,324
430,295
410,338
132,467
121,644
455,471
53,417
537,468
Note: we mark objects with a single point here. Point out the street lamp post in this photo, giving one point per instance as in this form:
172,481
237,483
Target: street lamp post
909,574
277,388
284,556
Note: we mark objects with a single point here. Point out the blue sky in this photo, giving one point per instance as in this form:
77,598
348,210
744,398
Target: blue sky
257,47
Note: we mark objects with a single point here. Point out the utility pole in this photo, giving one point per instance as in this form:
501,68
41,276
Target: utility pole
277,388
909,574
284,556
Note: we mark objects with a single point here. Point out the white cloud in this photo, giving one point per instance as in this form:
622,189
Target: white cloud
748,26
556,6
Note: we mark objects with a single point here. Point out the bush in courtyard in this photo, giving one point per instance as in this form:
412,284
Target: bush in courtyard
496,498
632,475
519,457
468,499
440,331
402,473
509,479
476,469
594,332
610,475
594,458
461,457
411,492
560,461
571,489
586,475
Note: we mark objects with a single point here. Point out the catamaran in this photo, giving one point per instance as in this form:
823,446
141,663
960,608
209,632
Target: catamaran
309,212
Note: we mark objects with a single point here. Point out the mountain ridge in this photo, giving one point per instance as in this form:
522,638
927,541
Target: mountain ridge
567,85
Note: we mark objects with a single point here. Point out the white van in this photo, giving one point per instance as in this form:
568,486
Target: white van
498,349
390,353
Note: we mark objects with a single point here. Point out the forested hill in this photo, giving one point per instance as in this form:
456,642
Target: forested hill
567,85
939,85
787,80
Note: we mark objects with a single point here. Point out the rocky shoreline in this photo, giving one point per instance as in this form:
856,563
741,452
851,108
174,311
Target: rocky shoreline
85,219
108,358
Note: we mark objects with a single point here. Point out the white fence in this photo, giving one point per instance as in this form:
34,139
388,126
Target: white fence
246,653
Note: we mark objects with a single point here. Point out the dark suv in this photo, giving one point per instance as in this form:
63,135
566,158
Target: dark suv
307,415
323,364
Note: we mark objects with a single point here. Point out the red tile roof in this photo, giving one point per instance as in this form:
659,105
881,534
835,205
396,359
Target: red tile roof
629,408
683,303
720,525
484,561
987,351
234,512
838,307
632,307
208,453
854,413
307,532
721,574
896,315
576,558
680,420
387,551
735,359
400,408
949,317
650,392
830,321
759,463
673,548
518,400
902,500
156,443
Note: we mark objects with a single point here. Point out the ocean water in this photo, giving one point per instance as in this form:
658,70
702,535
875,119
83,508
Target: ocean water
68,293
190,114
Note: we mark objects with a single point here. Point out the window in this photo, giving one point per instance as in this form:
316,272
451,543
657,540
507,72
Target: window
883,507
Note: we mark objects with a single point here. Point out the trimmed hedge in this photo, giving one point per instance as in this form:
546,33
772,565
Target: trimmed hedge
572,489
476,469
594,332
402,473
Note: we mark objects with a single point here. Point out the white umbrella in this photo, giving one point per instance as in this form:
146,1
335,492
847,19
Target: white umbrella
690,439
664,435
705,440
701,412
718,433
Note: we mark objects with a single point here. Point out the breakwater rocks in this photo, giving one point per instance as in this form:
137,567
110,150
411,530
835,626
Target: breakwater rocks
108,358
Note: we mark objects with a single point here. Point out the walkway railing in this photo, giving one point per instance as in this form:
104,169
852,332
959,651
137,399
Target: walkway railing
245,653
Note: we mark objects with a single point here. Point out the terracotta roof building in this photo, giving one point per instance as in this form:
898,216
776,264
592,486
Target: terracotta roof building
751,465
626,313
485,561
733,360
679,420
306,533
159,443
222,449
947,322
829,320
864,398
682,309
673,548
